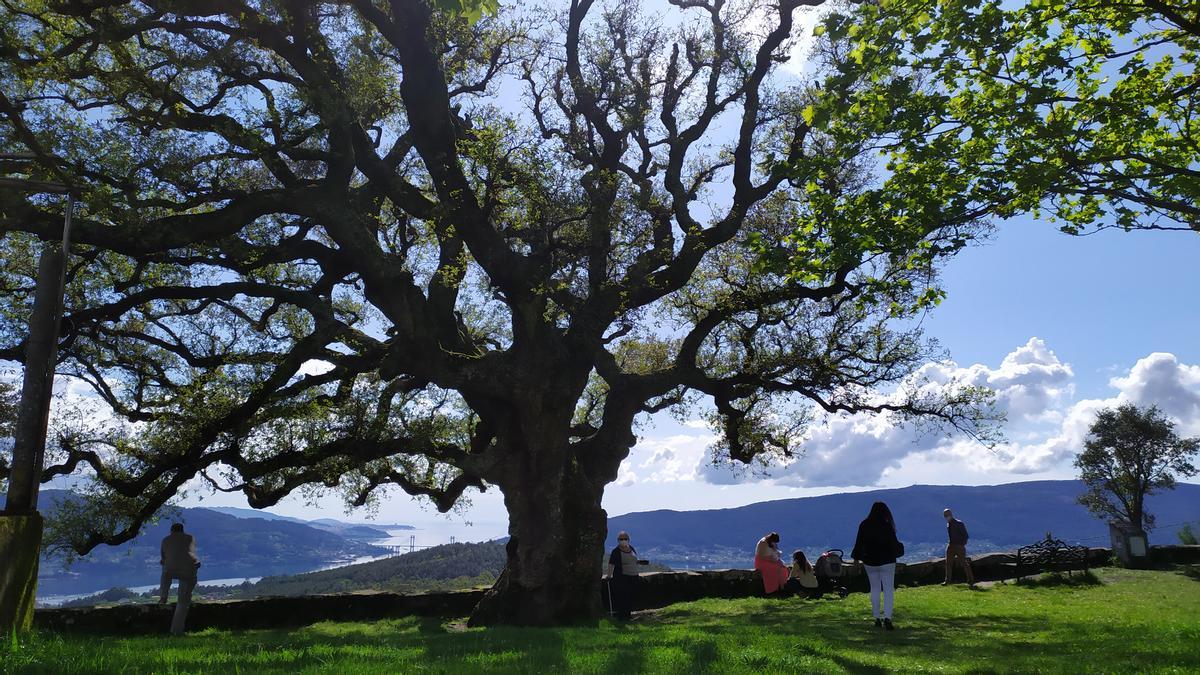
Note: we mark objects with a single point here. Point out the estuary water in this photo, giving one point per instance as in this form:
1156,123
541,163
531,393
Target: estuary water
421,535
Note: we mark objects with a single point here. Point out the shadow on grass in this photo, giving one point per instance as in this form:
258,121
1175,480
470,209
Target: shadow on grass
1190,571
1058,579
704,637
987,643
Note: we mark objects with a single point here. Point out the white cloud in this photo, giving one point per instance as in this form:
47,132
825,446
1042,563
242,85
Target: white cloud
667,459
314,367
1032,385
1160,379
1031,382
721,473
852,450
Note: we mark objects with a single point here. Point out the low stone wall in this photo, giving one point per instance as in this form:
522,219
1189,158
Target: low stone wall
664,588
1178,554
655,590
275,612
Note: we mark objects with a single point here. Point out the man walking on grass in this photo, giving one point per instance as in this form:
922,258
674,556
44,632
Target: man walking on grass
178,561
956,550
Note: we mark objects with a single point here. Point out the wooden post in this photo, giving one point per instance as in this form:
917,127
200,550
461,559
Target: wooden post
41,356
29,439
20,545
21,524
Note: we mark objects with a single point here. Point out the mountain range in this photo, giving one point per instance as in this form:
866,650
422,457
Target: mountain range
342,529
229,546
235,543
998,517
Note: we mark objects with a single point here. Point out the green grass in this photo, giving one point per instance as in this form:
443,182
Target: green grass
1120,621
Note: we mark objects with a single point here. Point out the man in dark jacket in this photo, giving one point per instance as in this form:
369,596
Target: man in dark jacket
179,561
956,549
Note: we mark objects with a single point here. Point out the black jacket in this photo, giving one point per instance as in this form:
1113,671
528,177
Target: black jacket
956,530
614,559
876,544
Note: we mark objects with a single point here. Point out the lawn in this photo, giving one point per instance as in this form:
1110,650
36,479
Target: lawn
1117,621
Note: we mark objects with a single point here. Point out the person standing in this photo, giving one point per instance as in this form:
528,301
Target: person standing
769,563
877,548
622,577
956,549
179,561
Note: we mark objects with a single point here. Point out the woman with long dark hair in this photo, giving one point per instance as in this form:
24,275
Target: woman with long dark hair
877,548
802,581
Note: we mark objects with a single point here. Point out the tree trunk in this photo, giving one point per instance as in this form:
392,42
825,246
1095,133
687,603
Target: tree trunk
556,546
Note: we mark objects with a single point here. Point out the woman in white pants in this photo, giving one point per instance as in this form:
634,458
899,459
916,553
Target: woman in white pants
877,548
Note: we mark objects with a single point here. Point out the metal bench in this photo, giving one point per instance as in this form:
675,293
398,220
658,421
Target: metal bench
1050,555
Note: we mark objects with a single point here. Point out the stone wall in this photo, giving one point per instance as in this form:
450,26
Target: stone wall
259,612
655,590
664,588
1179,555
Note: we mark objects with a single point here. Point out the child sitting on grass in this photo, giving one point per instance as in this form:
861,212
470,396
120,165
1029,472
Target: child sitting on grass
802,580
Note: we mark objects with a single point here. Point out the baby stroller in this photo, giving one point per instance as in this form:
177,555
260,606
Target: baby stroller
829,570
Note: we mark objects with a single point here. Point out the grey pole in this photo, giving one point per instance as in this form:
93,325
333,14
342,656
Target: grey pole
41,355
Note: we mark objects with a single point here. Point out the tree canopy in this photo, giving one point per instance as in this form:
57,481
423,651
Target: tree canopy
346,245
1081,111
1132,452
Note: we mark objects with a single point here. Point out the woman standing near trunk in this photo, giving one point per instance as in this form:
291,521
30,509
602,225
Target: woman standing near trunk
622,576
877,548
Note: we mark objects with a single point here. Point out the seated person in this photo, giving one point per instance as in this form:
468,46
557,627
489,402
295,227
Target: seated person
802,580
770,564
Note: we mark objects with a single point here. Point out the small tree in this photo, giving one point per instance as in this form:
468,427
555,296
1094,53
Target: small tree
1132,452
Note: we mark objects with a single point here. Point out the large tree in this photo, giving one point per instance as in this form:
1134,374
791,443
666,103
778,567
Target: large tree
1130,453
360,243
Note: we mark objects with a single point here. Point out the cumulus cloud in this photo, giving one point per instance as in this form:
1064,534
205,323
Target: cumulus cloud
1030,382
1157,379
853,450
667,459
1160,379
1033,385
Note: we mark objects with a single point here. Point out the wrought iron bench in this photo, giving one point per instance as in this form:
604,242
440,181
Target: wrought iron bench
1050,555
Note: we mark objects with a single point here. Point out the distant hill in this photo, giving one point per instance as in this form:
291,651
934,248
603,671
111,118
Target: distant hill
228,547
361,531
459,565
445,567
999,517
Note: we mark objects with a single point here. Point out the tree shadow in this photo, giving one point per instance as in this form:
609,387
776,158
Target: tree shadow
1190,571
973,644
1058,579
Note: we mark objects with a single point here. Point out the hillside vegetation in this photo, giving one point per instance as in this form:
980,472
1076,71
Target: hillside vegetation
1117,621
445,567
